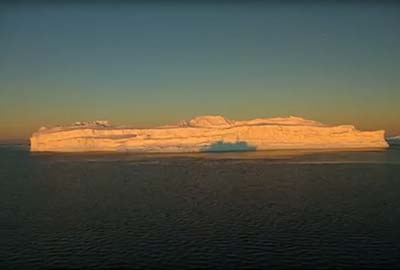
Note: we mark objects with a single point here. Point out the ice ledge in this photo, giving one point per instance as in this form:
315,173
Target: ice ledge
394,141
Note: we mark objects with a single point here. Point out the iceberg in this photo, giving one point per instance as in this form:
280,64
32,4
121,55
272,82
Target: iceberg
205,133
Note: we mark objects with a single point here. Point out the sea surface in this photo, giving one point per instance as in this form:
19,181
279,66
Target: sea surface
309,209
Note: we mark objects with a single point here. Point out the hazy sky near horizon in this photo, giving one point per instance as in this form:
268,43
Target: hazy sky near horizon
148,65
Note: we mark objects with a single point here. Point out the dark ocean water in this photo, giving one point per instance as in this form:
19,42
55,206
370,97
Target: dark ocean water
263,209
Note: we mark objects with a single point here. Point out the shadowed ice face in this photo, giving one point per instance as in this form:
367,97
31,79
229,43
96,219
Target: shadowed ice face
221,146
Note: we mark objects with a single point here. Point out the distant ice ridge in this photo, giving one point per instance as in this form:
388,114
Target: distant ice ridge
206,133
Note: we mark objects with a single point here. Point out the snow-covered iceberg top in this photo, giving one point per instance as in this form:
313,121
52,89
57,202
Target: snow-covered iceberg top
205,133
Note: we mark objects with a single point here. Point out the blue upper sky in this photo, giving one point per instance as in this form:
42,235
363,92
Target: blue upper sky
154,64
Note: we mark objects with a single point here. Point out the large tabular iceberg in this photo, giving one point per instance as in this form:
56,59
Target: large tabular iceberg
206,133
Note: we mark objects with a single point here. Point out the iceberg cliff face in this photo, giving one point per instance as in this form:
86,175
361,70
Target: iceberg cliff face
206,133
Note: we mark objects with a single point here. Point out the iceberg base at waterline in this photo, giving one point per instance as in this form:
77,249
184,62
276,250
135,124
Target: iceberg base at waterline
205,134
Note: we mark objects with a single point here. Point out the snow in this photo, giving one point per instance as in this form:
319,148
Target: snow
206,133
210,121
100,123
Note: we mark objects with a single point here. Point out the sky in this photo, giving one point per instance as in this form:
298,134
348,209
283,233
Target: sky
152,64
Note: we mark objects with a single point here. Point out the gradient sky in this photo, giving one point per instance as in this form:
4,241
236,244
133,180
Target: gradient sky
147,65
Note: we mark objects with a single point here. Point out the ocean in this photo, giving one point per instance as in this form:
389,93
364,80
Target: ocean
272,209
